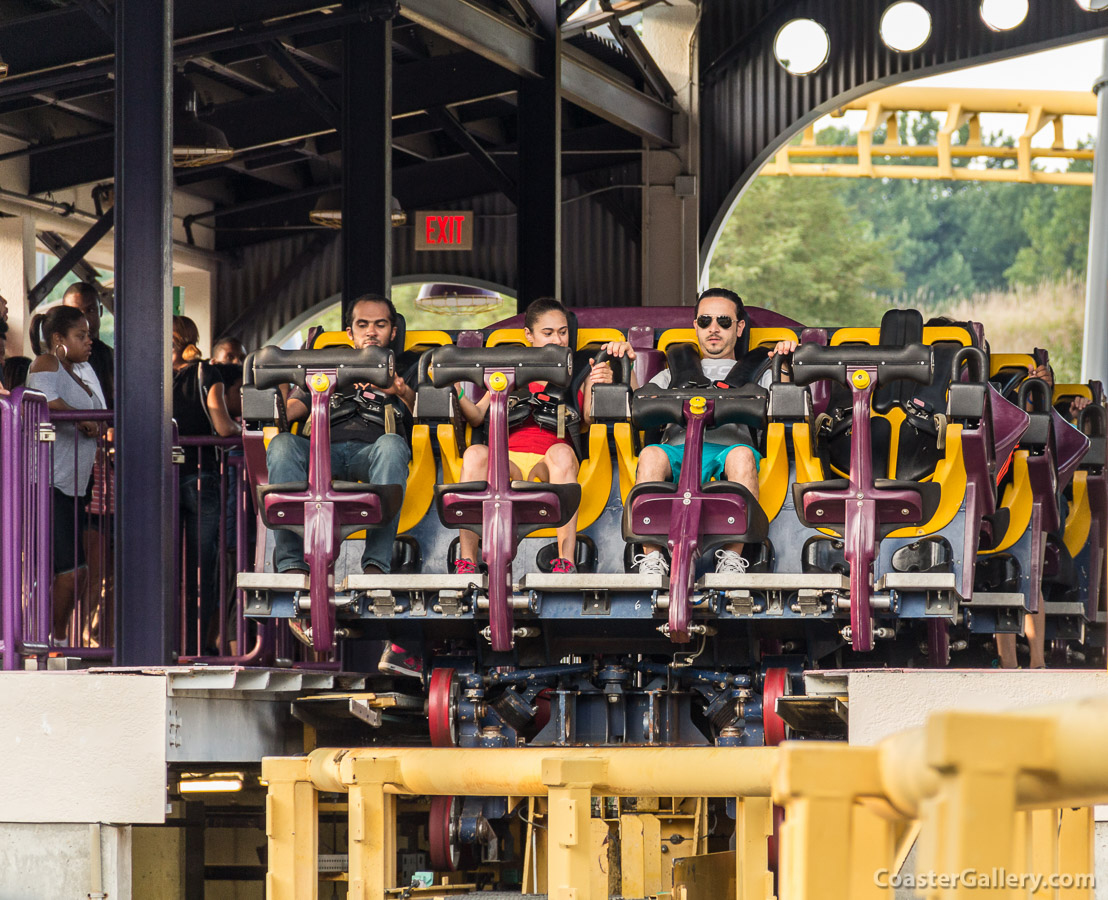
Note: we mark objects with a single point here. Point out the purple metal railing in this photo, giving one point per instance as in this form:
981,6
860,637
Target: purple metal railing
25,552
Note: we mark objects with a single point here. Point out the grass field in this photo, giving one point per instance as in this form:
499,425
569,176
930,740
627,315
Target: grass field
1050,315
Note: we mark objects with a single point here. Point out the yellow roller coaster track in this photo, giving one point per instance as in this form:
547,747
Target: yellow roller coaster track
962,107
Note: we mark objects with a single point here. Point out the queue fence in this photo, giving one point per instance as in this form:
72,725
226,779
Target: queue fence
25,552
43,614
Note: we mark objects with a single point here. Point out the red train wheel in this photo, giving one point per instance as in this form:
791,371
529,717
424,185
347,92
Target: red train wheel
442,708
441,828
774,685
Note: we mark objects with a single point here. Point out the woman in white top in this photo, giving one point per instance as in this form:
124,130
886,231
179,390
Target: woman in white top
61,339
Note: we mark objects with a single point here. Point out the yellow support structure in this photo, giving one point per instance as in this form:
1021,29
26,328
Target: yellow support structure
1001,803
960,106
292,830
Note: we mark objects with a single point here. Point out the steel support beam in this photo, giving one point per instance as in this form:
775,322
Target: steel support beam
74,255
585,81
1094,351
59,246
99,15
448,122
539,223
145,478
366,159
605,93
317,99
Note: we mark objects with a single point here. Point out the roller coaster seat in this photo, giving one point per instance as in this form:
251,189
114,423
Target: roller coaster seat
502,510
595,473
321,510
690,516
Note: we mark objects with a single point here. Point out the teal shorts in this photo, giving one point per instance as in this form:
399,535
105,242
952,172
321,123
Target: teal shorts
712,458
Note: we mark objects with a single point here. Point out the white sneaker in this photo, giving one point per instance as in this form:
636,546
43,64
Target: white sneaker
728,562
652,563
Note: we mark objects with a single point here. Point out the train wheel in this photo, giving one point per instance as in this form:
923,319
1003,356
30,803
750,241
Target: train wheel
775,684
442,829
442,708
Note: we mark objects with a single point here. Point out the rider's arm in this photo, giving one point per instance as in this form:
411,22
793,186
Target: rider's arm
400,389
474,412
295,408
784,348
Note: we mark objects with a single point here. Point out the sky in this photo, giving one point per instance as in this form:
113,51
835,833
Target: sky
1072,68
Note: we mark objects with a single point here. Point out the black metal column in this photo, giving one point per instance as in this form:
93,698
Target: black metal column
143,259
366,159
539,220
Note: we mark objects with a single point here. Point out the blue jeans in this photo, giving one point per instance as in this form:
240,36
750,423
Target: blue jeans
385,461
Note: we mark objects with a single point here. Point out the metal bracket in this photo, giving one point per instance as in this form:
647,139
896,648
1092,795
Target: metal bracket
46,433
741,603
808,603
597,603
361,709
451,603
384,603
939,604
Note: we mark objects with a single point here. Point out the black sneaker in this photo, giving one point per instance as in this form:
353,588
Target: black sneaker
398,661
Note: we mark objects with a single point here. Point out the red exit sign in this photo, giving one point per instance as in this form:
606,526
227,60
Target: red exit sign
448,229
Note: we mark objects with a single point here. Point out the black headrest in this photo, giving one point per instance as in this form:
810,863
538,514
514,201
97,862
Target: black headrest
397,345
900,327
273,366
449,364
683,362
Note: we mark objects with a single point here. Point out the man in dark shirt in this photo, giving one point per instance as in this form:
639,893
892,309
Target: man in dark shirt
86,298
361,450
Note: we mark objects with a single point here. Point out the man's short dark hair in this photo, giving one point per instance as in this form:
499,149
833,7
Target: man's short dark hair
726,295
536,309
348,313
81,289
227,341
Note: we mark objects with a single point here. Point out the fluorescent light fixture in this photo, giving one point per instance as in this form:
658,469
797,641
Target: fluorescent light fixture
218,782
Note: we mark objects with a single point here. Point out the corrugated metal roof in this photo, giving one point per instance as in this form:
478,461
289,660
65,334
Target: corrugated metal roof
601,261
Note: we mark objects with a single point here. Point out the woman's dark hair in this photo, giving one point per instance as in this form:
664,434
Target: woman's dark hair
536,309
15,372
44,326
186,336
348,313
726,295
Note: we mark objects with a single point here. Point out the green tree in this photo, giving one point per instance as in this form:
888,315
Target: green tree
793,246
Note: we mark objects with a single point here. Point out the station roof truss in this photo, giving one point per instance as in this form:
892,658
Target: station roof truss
268,74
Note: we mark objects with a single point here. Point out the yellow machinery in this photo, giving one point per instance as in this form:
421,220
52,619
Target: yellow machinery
962,107
997,805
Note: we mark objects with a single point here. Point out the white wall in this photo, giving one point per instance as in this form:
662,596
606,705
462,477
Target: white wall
79,747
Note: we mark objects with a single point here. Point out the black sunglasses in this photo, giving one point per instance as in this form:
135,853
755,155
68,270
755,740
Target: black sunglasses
704,321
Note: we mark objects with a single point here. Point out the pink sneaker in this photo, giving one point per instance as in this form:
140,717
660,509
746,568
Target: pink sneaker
465,567
562,566
397,661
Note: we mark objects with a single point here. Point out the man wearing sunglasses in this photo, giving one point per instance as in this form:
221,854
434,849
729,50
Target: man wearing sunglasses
729,451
